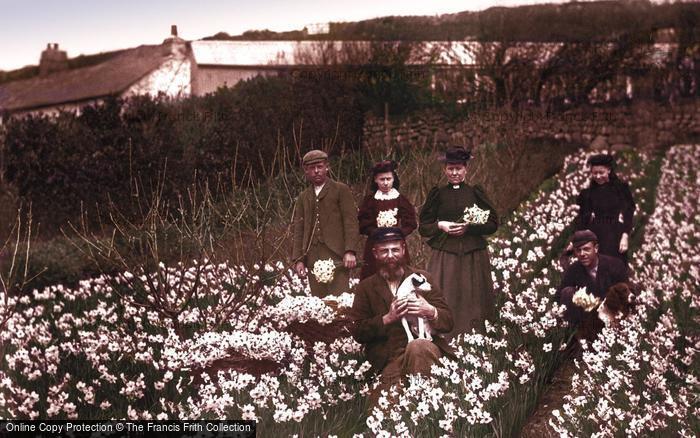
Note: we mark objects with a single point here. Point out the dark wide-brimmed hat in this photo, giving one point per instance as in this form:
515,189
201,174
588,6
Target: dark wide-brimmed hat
386,234
314,156
582,237
456,155
384,166
601,160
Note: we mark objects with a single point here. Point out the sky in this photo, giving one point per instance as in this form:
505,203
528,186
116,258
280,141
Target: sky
88,27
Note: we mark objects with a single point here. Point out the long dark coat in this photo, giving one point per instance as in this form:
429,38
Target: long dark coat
607,210
460,264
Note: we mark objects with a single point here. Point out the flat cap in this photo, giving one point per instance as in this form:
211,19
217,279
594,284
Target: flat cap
386,234
582,237
314,156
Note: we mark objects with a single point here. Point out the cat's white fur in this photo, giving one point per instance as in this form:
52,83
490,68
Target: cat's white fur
412,285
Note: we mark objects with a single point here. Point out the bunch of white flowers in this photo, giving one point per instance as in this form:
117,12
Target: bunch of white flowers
585,300
302,309
339,302
636,378
475,215
387,218
324,270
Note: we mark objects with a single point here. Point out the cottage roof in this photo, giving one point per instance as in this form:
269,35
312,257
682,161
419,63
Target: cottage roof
111,77
301,53
254,53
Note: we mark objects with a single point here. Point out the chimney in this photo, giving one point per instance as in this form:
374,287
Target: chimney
174,44
52,60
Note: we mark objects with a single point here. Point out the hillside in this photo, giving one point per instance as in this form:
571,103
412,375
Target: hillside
590,21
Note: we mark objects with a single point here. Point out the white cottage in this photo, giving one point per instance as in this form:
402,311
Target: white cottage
164,69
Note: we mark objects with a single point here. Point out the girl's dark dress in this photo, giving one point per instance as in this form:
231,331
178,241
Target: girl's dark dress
367,216
607,210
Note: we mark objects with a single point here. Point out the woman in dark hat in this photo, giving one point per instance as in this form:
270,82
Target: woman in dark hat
459,261
606,207
384,206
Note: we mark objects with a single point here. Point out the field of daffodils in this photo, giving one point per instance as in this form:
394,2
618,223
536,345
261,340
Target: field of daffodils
179,343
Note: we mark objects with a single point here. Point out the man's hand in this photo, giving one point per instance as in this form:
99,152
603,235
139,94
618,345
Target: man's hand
349,260
397,309
300,269
624,242
452,228
418,306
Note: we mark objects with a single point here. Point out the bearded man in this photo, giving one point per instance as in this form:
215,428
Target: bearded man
377,313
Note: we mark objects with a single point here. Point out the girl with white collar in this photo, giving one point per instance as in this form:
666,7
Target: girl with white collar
384,206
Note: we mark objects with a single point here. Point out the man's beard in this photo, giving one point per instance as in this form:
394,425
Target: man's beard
392,270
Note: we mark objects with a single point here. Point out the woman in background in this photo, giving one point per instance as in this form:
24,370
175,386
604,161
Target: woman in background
606,207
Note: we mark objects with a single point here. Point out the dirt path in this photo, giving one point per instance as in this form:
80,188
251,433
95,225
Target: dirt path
537,425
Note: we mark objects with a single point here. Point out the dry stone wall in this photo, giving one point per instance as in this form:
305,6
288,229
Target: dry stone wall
642,124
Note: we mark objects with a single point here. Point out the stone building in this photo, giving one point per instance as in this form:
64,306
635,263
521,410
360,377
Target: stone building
164,69
178,68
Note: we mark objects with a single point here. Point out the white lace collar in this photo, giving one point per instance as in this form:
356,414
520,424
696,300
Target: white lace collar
380,196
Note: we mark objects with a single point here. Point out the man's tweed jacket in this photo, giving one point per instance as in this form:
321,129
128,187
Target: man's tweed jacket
332,220
382,343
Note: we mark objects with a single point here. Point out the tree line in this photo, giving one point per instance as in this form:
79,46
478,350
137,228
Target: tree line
568,22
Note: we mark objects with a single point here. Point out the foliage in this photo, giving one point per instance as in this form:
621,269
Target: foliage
569,22
77,162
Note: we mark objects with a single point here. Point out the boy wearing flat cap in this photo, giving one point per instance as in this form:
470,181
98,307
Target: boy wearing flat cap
325,227
596,272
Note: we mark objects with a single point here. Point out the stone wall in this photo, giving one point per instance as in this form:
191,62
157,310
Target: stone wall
642,124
